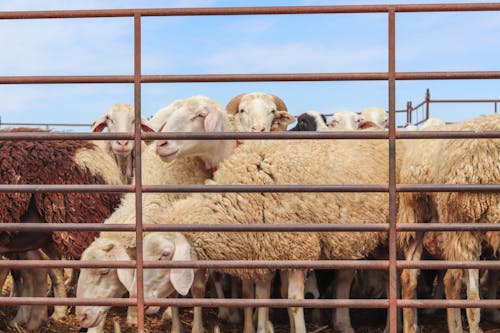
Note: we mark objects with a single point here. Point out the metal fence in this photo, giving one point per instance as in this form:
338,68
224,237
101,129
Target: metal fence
412,112
392,188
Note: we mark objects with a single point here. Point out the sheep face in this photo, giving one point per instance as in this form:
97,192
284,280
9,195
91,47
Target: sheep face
310,121
256,113
197,114
347,121
102,282
119,118
161,282
376,115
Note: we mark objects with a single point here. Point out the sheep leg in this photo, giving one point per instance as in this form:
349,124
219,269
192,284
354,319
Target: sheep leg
409,280
388,319
263,291
198,291
176,321
492,314
341,319
296,291
38,314
33,283
473,314
311,291
284,295
131,316
23,287
248,293
453,285
230,315
57,278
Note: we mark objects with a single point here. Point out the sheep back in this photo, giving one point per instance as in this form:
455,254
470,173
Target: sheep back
155,172
55,162
297,162
469,161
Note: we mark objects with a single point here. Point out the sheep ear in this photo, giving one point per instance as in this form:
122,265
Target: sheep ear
232,106
213,121
280,105
128,278
99,124
182,278
287,117
145,125
125,275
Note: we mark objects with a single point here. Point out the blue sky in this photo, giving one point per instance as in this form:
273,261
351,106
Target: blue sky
242,44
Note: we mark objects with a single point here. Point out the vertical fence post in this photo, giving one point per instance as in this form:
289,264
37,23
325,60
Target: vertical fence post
427,103
496,104
409,110
393,313
138,180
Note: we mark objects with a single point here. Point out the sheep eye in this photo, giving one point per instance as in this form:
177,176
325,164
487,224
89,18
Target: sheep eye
242,111
273,111
104,271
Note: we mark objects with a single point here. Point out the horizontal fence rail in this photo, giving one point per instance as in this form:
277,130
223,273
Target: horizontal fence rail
391,187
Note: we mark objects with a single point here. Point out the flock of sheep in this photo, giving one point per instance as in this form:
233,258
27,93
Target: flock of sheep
251,162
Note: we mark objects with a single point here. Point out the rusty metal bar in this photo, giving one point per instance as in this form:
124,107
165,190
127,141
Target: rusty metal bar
138,172
285,77
273,264
264,10
250,135
273,303
63,136
46,79
43,124
322,303
311,227
393,280
464,100
199,188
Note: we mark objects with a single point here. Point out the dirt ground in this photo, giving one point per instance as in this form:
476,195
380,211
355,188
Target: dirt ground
364,321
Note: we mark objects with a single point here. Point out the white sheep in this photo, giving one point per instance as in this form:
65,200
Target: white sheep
432,122
200,113
376,115
272,163
450,161
120,118
345,120
258,112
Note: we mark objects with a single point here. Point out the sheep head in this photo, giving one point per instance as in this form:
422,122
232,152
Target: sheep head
120,118
376,115
311,121
161,282
256,111
196,114
345,120
102,282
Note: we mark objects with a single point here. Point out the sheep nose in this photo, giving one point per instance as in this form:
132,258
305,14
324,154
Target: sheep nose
162,143
258,129
123,143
